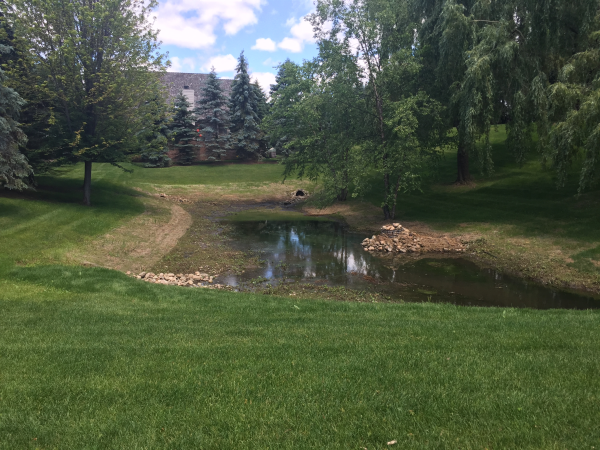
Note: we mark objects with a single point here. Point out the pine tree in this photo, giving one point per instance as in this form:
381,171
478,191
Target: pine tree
262,107
245,122
155,138
214,118
183,130
13,165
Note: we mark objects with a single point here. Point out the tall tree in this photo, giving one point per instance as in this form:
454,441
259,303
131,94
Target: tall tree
154,139
213,115
381,36
310,111
246,137
183,130
493,61
96,63
14,167
284,94
262,108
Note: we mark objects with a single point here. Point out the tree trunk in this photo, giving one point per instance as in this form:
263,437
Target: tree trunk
87,184
462,164
386,196
342,195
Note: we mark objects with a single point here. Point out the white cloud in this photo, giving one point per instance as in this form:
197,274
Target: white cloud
178,64
221,63
265,80
175,65
267,45
291,45
192,23
302,33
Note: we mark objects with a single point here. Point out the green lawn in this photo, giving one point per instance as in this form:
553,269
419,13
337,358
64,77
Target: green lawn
521,202
207,174
92,359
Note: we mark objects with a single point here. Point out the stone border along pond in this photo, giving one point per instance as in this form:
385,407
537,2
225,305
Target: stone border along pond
197,279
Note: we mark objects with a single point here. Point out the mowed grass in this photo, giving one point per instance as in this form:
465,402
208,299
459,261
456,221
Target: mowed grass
90,358
204,174
40,226
526,197
515,202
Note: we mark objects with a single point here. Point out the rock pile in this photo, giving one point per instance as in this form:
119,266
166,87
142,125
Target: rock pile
192,279
397,239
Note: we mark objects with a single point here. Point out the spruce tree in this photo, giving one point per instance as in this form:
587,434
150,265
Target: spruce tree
13,165
183,130
262,107
214,118
155,138
243,106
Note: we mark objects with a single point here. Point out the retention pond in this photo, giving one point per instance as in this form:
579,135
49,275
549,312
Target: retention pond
326,253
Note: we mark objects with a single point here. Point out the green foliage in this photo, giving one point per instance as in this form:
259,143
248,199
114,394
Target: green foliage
244,107
94,65
262,108
14,167
315,111
399,130
183,130
285,93
155,138
213,114
573,106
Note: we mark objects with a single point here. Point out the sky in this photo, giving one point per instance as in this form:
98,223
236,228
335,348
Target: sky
200,34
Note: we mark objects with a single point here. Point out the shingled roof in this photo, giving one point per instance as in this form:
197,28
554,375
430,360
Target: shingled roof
176,81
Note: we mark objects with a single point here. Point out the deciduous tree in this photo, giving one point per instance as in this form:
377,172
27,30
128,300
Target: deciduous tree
96,64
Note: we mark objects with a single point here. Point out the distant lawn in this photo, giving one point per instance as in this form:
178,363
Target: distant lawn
92,359
39,226
525,196
208,174
515,202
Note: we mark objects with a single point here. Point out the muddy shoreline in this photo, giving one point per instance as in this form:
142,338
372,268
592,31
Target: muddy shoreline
215,235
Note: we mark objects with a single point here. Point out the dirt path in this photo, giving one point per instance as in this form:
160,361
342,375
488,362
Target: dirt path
140,242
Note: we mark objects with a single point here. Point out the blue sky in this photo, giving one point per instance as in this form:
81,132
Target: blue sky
199,34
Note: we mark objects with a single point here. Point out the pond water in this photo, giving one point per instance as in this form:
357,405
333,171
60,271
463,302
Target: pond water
326,253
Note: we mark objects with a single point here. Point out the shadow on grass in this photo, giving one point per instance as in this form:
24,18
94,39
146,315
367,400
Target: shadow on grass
526,197
57,189
82,280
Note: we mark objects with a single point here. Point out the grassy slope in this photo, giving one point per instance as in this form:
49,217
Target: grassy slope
93,359
515,202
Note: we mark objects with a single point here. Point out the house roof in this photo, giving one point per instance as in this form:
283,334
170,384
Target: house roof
175,82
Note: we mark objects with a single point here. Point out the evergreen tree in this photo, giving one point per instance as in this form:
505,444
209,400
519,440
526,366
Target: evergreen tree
262,107
155,138
285,93
183,130
214,118
13,165
245,123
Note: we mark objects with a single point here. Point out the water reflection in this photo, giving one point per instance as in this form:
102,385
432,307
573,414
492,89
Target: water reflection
326,253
